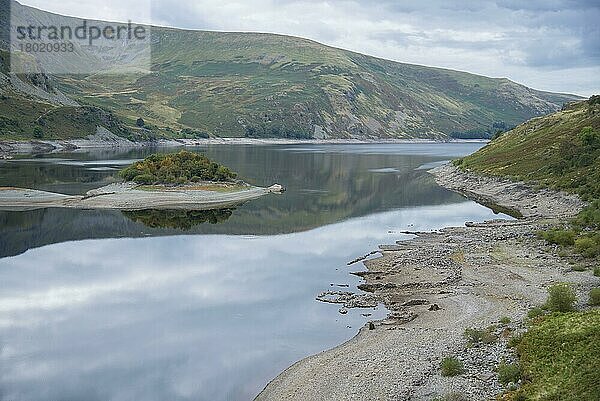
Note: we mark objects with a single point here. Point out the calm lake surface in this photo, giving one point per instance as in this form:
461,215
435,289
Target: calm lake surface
104,305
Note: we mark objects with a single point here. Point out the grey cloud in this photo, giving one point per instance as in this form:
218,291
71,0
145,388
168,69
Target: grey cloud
546,5
551,34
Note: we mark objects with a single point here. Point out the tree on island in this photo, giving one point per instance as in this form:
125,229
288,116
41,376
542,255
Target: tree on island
176,168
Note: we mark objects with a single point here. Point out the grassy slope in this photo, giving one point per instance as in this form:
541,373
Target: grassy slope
559,358
536,150
20,116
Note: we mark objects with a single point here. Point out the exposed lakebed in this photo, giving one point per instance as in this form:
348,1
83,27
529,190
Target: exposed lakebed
171,305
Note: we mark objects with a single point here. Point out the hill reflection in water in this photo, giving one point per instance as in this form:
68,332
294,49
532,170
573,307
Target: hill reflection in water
325,184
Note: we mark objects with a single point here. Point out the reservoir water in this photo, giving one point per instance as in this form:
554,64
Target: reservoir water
105,305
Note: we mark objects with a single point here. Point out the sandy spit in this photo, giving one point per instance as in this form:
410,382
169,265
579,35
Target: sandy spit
435,286
129,196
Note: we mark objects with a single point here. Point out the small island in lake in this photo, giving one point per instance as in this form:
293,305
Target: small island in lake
183,180
177,168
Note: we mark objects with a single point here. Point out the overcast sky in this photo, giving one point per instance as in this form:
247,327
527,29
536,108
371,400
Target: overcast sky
546,44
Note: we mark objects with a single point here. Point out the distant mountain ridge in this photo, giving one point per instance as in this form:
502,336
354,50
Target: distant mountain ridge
265,85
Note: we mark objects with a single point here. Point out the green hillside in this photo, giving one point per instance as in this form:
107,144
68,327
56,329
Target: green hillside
561,150
265,85
260,85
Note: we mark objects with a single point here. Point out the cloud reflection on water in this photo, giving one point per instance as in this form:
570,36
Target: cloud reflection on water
209,317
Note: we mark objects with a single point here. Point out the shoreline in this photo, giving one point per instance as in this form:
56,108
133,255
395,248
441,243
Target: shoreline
94,142
129,196
437,285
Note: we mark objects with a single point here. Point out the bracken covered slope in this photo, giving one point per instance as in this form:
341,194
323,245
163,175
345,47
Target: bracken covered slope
561,150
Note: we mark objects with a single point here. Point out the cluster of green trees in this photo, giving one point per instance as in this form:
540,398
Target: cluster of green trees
188,132
176,168
275,131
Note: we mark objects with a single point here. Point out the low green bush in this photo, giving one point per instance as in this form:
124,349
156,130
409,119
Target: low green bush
475,336
505,320
508,373
145,178
457,162
535,312
561,298
588,245
597,271
514,340
595,296
38,133
559,236
451,366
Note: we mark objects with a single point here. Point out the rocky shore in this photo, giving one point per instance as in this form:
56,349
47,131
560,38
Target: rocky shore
484,276
511,196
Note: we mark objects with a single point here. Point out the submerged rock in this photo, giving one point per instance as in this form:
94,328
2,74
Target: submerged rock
276,188
348,299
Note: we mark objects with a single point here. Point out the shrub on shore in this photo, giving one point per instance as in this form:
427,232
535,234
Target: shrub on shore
535,312
588,245
451,366
514,340
561,298
559,236
509,373
583,233
176,168
559,357
475,336
595,296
